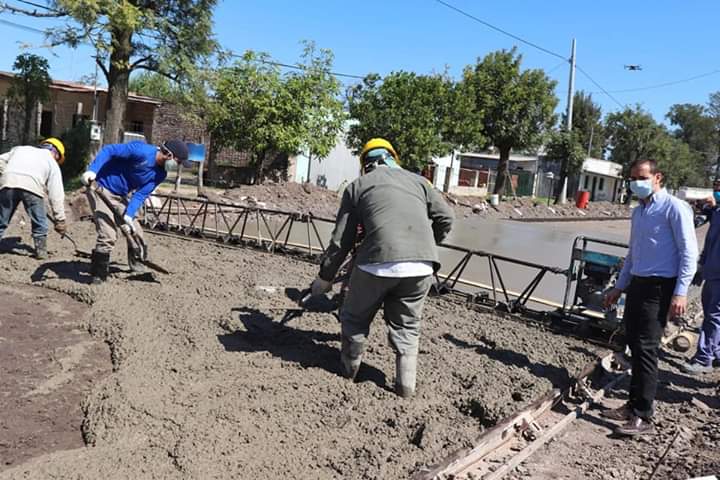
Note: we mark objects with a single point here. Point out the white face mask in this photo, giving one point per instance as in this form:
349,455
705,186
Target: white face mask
642,188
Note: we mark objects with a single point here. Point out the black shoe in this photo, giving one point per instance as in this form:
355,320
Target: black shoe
620,414
636,426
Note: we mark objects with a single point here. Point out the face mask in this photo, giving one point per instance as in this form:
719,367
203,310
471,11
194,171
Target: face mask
641,188
717,196
170,165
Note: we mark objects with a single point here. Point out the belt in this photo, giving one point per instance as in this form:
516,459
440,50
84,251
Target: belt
653,280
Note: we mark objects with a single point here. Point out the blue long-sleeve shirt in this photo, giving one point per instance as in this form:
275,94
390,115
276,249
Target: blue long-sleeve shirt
710,257
129,167
662,242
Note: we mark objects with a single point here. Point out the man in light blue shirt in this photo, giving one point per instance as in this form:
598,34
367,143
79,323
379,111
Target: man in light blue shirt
656,275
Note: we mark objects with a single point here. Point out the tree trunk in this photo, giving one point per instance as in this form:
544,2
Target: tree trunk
118,80
502,170
558,186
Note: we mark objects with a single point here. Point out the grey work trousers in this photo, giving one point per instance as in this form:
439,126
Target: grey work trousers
403,300
105,221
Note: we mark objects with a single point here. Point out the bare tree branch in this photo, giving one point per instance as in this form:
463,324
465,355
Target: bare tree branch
31,13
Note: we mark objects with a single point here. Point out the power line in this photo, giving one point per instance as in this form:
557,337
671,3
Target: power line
299,67
498,29
21,27
33,4
621,105
666,84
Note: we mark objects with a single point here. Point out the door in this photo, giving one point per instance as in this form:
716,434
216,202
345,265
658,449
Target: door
594,189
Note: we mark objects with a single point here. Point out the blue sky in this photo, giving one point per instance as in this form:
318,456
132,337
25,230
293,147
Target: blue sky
672,40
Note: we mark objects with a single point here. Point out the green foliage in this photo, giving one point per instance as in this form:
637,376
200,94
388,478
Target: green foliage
411,111
30,85
169,37
632,134
255,111
565,147
77,150
515,108
154,85
588,125
317,93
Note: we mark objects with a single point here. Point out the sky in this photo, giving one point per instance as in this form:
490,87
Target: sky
672,40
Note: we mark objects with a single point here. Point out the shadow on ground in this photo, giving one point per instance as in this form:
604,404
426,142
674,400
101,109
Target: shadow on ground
307,348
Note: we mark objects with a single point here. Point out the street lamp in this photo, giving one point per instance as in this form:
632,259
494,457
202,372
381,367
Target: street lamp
550,176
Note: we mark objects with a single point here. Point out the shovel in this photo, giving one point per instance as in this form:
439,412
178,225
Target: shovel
300,301
78,252
137,246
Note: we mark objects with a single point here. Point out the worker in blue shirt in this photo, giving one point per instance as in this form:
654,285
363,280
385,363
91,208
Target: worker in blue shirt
657,272
708,349
132,169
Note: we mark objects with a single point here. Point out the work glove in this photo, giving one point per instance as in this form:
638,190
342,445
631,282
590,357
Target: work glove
88,177
320,287
127,226
61,227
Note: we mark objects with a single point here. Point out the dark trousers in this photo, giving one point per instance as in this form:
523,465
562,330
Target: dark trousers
646,309
34,205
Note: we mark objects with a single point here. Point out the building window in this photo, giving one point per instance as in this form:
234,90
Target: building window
587,183
601,185
46,120
136,126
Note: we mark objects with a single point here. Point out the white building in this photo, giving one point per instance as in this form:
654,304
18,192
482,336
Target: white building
602,178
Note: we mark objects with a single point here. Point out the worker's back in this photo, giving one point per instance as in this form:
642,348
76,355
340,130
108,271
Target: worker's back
402,215
29,168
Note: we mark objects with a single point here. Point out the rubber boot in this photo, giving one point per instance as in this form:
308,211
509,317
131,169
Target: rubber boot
41,248
135,265
99,266
405,375
351,357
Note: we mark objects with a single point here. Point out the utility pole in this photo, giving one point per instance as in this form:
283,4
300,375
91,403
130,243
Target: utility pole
571,89
568,121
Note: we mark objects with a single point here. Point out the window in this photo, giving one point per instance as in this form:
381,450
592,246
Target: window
136,126
601,185
46,120
587,183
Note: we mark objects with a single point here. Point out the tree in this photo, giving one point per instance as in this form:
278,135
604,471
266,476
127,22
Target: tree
697,128
587,123
168,37
413,112
632,134
516,108
317,92
565,147
253,110
680,166
30,85
151,84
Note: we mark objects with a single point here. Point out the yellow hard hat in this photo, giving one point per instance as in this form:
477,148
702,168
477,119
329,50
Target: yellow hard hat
374,143
58,146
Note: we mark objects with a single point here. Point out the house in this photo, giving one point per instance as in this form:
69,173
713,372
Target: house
469,173
339,168
70,103
602,178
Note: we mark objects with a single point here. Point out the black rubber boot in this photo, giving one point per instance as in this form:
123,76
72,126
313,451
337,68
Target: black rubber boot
99,266
41,248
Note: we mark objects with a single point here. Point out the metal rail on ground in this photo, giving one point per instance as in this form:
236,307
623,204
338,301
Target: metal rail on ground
272,229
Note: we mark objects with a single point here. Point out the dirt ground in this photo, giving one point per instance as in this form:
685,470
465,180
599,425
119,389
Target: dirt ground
208,383
687,422
48,363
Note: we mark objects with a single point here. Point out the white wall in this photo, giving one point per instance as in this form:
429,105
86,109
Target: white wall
338,168
442,165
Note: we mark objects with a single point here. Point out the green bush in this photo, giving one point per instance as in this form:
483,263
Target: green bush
77,150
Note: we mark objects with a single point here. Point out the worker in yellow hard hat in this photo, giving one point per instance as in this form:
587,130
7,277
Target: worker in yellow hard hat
402,219
27,173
